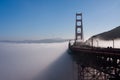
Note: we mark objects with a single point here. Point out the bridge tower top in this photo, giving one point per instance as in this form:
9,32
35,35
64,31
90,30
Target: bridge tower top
78,27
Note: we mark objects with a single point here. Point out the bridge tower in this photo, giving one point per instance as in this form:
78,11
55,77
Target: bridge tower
78,27
93,63
82,69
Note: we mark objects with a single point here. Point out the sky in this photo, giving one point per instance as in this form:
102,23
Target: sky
43,19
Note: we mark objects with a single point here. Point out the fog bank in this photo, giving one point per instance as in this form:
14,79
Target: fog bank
49,61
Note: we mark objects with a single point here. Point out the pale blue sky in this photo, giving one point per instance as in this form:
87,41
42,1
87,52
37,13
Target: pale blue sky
41,19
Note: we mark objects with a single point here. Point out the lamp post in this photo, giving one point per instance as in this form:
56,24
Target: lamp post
92,41
97,43
113,43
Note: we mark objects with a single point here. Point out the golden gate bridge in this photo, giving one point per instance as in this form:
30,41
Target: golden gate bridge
92,63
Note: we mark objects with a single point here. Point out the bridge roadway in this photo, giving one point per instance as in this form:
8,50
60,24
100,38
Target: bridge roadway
105,60
96,50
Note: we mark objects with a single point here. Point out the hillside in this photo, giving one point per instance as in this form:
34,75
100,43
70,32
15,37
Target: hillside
109,35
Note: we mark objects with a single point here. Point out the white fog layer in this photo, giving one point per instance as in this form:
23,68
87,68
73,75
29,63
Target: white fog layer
49,61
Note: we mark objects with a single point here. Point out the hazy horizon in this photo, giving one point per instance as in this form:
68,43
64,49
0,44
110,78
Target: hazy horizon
48,61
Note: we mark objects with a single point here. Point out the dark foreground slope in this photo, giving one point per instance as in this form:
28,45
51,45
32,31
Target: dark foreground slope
109,35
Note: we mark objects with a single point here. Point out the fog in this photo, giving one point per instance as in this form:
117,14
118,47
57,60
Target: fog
106,43
48,61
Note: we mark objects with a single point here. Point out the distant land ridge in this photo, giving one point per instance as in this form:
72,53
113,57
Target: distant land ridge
36,41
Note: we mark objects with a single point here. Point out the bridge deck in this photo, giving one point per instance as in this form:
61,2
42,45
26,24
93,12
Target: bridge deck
95,50
106,60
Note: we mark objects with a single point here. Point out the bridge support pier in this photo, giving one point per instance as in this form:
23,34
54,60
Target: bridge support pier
88,73
97,67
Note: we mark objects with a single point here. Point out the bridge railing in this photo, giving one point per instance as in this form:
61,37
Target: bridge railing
73,43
